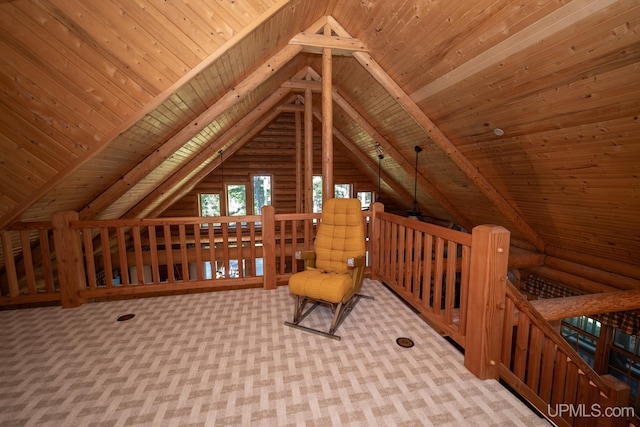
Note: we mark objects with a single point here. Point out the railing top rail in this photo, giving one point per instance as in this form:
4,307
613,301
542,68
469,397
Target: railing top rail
35,225
435,230
297,216
524,306
165,221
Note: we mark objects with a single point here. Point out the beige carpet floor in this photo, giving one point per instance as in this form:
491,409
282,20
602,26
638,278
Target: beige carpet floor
226,359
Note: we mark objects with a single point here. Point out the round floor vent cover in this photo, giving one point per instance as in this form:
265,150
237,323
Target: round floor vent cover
126,317
404,342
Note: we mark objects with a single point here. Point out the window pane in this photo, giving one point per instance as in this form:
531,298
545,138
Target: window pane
209,204
237,197
619,361
342,191
365,198
591,326
261,193
317,194
624,341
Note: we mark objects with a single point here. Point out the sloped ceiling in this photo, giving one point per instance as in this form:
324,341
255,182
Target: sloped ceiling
116,108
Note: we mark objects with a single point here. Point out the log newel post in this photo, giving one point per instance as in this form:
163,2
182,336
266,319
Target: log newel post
618,398
68,248
485,319
269,246
374,239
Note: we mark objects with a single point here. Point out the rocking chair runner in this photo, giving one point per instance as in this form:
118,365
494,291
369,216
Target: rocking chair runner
334,271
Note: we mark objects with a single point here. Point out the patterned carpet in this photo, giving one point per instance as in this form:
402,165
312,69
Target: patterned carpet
226,359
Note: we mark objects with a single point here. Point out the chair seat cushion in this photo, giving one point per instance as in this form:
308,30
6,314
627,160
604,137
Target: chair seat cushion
321,285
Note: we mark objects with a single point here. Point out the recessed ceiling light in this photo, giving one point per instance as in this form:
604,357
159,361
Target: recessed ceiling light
498,131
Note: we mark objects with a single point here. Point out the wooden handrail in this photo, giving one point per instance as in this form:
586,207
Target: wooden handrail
540,322
586,305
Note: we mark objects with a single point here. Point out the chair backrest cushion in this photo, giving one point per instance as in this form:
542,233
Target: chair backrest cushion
340,235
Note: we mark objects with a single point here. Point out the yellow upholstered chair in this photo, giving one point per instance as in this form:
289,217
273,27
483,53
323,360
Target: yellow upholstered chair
334,271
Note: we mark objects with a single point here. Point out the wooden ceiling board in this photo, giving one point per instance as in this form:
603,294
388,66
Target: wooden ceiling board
207,136
93,41
590,48
82,98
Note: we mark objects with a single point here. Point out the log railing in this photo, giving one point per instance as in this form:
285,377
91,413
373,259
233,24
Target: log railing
456,281
29,266
71,261
428,266
542,367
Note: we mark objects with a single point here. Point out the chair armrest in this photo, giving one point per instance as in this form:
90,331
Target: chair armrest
355,262
305,255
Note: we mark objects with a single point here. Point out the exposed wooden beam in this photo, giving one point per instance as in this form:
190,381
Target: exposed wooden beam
327,121
299,167
149,107
440,139
231,98
308,151
315,43
370,166
292,108
389,148
537,32
206,155
302,85
202,173
146,166
571,281
586,305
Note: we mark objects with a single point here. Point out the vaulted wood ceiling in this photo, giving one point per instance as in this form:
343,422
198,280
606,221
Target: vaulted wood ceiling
116,108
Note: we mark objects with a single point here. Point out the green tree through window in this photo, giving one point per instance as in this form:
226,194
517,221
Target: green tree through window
237,199
209,204
261,192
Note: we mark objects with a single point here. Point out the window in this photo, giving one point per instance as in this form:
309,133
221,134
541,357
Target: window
365,197
317,193
582,333
607,350
237,199
342,191
624,363
261,192
209,204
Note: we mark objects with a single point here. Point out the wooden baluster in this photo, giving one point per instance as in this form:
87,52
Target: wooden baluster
198,248
27,260
47,272
137,248
168,249
184,256
122,254
87,236
153,248
10,264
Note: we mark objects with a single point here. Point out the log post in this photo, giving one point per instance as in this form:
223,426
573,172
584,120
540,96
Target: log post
374,239
619,399
68,248
269,246
299,185
327,122
485,319
308,151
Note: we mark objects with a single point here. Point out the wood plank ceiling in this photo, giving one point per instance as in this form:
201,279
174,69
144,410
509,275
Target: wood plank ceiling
115,108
